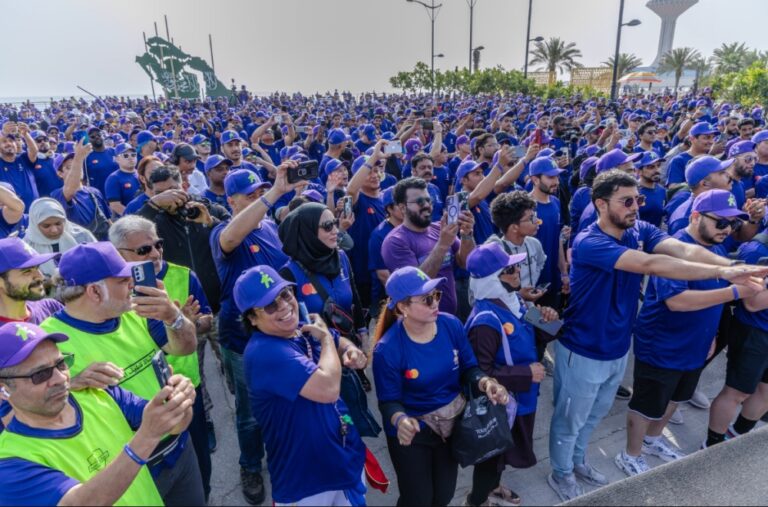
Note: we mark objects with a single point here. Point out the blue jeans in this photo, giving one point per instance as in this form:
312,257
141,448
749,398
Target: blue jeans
248,431
584,391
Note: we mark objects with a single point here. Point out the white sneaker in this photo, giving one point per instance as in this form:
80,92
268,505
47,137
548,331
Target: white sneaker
677,417
662,449
631,465
699,400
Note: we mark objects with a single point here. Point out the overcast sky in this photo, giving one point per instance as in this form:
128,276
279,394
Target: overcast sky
309,45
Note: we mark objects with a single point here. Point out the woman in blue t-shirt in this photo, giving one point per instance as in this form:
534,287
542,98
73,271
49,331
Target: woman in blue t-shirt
505,347
421,363
314,451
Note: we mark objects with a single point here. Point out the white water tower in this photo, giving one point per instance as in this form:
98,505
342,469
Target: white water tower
668,11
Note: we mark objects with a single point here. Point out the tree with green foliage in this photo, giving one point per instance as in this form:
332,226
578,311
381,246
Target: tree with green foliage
677,61
748,87
730,57
554,55
627,63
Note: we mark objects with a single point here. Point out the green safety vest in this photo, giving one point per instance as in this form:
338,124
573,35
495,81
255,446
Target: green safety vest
103,434
130,347
176,283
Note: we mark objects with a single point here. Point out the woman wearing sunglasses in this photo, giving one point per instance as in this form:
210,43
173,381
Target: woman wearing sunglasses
505,347
421,363
293,371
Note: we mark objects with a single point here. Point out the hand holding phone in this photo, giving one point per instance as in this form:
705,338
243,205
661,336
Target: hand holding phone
533,316
162,368
453,207
144,275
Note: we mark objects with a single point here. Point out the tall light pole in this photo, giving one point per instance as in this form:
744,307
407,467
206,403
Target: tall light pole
432,11
528,36
471,4
525,67
634,22
476,56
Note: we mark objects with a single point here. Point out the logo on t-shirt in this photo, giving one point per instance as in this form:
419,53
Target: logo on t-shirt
371,211
255,249
308,289
509,328
97,460
412,374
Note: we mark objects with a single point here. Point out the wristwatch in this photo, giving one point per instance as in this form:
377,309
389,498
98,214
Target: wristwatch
177,323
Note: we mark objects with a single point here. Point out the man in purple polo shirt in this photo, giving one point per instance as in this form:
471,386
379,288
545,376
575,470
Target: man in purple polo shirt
432,247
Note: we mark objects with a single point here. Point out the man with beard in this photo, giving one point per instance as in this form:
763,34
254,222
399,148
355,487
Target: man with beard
45,174
422,167
17,168
100,163
610,258
545,176
232,148
432,247
649,175
742,170
675,333
761,166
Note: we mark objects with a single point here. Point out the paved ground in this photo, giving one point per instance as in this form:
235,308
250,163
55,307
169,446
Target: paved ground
530,484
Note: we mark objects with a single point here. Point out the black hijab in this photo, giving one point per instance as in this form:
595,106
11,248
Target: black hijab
298,232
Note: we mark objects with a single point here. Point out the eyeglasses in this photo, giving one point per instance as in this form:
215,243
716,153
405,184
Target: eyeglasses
628,201
329,225
45,374
651,132
724,223
534,219
749,160
284,295
129,154
145,249
510,270
421,201
431,298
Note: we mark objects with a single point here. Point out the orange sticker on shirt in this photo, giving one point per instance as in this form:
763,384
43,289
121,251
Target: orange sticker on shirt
255,249
308,289
371,211
412,374
509,328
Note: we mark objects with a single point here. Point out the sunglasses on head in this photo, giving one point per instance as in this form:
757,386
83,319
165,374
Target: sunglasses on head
628,201
431,298
421,201
45,374
145,249
284,295
724,223
329,225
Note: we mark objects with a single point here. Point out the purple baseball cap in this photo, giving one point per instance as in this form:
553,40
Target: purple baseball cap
215,160
648,158
718,202
257,287
336,136
544,166
230,135
122,148
760,137
369,131
702,128
408,282
198,139
19,339
491,258
740,148
332,165
16,254
243,181
462,139
701,167
143,138
466,167
614,159
90,262
412,147
313,195
586,165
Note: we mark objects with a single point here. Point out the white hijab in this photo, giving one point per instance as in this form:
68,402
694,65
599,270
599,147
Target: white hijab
490,287
73,235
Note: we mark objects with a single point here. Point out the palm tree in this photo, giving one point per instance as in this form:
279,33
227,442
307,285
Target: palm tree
677,60
730,57
556,55
701,67
627,63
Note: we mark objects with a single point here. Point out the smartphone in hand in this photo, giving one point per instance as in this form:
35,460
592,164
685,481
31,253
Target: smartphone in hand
144,275
533,317
161,367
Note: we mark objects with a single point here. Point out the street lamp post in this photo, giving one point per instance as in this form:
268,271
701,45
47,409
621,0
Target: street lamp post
634,22
432,11
471,4
476,56
535,39
527,37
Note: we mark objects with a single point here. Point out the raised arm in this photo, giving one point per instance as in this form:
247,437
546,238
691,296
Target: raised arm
74,178
12,206
354,185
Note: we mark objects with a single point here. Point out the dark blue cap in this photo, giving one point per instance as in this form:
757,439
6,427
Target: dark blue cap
257,287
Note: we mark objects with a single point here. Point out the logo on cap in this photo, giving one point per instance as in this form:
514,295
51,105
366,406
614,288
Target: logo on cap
29,248
266,280
23,332
731,201
421,275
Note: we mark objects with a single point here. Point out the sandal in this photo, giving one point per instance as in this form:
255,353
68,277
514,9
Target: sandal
504,496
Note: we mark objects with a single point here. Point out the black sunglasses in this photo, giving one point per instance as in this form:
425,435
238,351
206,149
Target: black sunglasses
145,249
329,225
44,375
421,201
724,223
284,295
510,270
129,154
628,201
432,298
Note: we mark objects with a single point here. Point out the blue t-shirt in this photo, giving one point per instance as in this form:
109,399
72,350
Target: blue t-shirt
261,246
375,260
421,376
220,199
677,340
751,252
437,202
653,209
674,202
82,208
580,200
484,227
340,288
676,168
760,170
136,204
19,227
306,454
20,174
23,482
603,302
98,166
273,150
680,218
549,236
122,186
46,178
369,212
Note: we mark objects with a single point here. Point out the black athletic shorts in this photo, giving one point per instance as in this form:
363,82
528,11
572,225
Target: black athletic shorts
655,387
747,358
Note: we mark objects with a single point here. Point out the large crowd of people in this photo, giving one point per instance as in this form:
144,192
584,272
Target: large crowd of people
428,249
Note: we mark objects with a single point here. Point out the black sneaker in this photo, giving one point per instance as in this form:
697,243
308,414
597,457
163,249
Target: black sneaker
212,445
623,393
253,486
